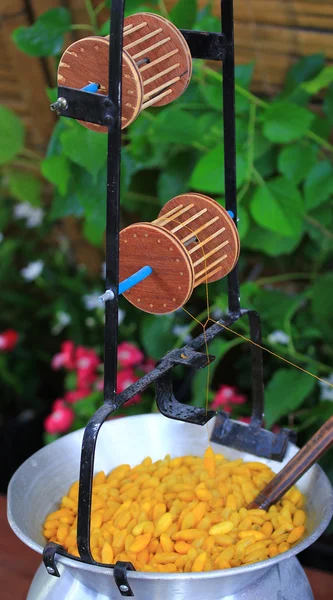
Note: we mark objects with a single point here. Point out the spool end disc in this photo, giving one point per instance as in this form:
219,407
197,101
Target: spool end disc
87,61
171,283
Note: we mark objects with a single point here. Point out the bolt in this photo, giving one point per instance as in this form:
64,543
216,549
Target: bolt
108,295
123,588
108,120
50,570
107,102
60,104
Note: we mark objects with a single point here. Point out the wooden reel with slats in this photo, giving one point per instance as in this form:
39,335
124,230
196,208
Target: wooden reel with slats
157,65
194,240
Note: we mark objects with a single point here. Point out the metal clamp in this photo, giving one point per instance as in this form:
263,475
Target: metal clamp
120,576
84,106
166,402
49,552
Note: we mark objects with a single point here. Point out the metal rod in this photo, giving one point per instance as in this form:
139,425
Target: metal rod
112,276
228,72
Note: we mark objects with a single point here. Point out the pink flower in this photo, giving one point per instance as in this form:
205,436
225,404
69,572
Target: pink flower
85,379
60,420
8,340
75,395
59,403
99,385
124,380
66,357
86,359
129,355
148,365
226,396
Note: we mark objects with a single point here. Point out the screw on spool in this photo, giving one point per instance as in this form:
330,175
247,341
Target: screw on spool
193,240
157,65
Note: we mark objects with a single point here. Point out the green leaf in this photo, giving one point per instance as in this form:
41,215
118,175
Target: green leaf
318,185
328,104
244,74
11,134
285,392
174,180
56,169
321,307
156,335
212,94
92,196
306,68
285,122
175,126
244,222
269,242
25,187
323,80
206,21
296,160
85,148
278,206
46,36
208,175
275,307
184,14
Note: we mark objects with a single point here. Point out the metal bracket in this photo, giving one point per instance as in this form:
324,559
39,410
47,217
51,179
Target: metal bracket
166,402
85,106
49,552
204,44
120,576
252,439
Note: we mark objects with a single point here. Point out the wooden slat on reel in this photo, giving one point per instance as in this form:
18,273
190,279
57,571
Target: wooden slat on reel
157,65
193,240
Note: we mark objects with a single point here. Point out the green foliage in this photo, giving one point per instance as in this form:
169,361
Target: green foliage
286,392
11,134
25,187
285,122
46,36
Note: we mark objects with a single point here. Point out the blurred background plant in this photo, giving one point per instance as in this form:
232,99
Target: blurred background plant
284,182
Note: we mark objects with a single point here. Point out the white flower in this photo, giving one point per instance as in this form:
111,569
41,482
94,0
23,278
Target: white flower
326,391
91,301
33,216
62,320
32,270
279,337
1,237
182,332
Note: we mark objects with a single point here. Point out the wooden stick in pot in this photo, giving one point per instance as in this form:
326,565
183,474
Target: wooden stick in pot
296,467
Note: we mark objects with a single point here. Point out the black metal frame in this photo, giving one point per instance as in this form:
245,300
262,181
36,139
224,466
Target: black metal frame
106,110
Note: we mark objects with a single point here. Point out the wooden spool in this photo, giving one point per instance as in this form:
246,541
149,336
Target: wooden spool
157,65
192,241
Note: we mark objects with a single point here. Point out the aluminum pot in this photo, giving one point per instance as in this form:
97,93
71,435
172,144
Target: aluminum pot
37,486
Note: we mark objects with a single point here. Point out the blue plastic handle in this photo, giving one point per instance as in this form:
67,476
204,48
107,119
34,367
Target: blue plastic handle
91,87
140,275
